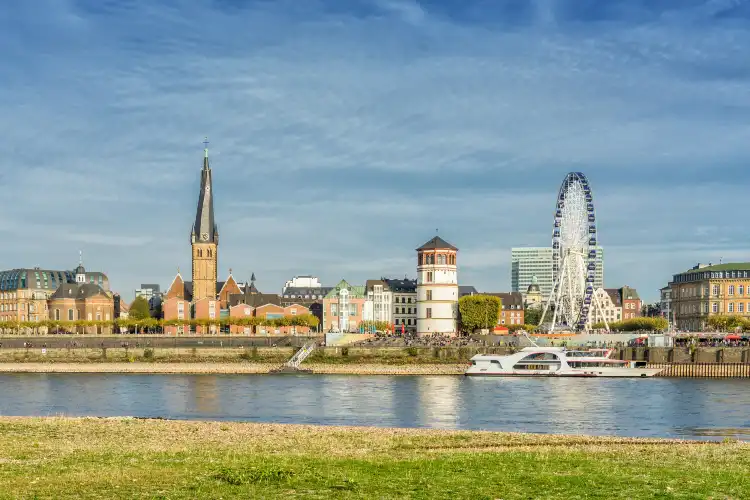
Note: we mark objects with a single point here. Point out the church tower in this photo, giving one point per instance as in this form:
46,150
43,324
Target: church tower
205,238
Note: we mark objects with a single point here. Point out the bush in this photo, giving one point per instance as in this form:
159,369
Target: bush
148,353
345,351
412,351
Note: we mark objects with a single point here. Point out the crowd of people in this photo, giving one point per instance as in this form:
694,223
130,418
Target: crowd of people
411,340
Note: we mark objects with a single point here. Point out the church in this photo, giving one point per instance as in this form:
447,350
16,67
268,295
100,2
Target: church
204,297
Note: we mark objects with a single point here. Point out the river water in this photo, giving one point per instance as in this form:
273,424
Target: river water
657,407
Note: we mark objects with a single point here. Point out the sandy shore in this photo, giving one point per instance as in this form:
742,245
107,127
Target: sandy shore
236,368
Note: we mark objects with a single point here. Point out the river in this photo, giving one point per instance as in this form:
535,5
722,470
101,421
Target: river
658,407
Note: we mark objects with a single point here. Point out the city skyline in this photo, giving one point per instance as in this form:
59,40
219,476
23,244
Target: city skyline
340,124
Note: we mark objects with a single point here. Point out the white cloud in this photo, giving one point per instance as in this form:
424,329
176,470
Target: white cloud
339,142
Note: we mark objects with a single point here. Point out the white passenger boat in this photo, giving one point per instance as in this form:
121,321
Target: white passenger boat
558,362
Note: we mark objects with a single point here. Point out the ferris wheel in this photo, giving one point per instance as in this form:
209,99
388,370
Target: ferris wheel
574,255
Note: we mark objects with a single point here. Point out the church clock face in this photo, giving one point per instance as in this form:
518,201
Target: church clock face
204,236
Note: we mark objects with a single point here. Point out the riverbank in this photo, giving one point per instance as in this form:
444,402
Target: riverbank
231,368
130,458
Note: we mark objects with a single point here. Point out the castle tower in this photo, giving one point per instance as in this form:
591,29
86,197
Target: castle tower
437,288
204,238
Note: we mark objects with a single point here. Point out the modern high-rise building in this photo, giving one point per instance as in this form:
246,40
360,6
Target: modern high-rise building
527,262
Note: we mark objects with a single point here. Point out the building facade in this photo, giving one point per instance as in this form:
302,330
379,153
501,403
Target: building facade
24,293
304,281
709,290
82,301
511,308
379,302
343,308
533,298
437,288
607,306
631,303
665,304
528,264
404,304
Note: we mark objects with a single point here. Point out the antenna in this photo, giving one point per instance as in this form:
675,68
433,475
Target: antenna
205,146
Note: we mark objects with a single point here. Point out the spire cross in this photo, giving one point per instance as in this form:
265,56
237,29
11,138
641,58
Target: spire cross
80,257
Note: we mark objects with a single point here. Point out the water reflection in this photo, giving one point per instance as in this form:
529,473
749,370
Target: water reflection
702,408
439,401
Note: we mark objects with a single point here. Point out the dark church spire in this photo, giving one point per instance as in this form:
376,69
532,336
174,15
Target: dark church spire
204,228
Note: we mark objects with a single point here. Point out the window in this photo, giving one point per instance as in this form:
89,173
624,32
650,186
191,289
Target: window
429,294
428,312
715,290
294,312
212,309
740,290
200,252
429,277
57,314
403,310
730,307
98,316
89,317
731,289
741,307
70,314
210,252
715,307
353,309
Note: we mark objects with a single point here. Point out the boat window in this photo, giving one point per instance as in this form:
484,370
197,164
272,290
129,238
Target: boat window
538,361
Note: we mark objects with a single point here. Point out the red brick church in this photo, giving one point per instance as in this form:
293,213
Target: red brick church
204,297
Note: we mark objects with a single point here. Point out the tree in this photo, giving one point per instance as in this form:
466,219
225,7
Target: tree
532,316
139,309
479,311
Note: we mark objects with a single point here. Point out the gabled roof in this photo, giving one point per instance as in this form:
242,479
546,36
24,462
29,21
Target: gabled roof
614,295
466,290
78,291
437,243
369,284
355,292
628,293
402,286
510,300
254,300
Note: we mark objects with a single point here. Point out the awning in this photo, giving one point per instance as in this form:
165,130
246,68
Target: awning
732,337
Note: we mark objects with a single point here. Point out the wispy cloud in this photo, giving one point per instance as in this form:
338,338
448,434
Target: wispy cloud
343,133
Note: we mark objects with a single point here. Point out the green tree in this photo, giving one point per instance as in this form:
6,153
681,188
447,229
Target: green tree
479,311
532,316
139,309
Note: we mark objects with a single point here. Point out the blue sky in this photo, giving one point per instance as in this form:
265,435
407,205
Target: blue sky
343,133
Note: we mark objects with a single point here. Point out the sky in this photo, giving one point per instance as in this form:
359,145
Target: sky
343,134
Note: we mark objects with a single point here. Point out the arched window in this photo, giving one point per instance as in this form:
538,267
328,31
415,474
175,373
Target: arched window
200,252
210,253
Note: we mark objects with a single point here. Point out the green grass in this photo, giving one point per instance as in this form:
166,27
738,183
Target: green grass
127,458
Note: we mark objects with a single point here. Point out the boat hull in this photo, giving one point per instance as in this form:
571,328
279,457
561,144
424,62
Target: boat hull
603,373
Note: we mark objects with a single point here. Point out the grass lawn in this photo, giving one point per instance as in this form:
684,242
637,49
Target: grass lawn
129,458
